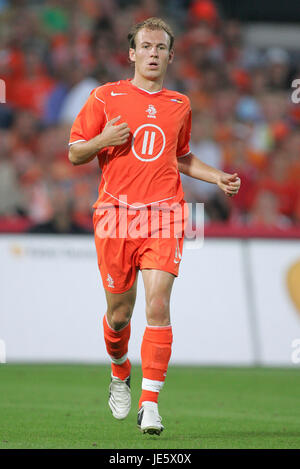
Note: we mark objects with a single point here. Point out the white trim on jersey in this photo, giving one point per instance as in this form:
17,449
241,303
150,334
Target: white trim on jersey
98,98
77,141
186,154
135,206
149,92
103,103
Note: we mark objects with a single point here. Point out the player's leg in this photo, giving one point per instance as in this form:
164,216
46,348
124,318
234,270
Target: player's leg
116,326
117,265
156,346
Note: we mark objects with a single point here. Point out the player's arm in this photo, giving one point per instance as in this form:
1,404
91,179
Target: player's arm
112,135
195,168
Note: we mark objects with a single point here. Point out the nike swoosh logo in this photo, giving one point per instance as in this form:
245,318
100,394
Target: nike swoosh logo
176,262
116,94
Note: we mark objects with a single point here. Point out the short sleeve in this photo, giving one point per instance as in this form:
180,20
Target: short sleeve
183,147
90,121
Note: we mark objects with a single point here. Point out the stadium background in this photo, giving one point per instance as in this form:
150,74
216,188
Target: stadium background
236,61
53,53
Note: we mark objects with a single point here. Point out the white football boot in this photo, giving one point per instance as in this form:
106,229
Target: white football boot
149,420
119,397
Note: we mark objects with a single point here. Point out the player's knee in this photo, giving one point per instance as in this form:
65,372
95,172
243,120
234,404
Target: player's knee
119,317
158,311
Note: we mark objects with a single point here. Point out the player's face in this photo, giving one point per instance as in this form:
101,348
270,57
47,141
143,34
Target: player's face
152,54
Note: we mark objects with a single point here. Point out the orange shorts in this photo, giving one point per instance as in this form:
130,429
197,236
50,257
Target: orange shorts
120,256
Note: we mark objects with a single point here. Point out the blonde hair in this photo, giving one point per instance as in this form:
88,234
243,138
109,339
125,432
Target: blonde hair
152,24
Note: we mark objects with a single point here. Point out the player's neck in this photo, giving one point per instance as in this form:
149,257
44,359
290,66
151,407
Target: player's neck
148,85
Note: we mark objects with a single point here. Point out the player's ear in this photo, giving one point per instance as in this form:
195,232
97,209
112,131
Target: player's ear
132,55
171,56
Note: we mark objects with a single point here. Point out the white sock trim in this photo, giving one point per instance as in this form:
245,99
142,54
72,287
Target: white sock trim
119,361
152,385
159,327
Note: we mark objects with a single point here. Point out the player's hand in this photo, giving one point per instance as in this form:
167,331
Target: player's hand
113,134
229,183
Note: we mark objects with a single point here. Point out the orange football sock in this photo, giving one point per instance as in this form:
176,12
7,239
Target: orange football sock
117,348
156,352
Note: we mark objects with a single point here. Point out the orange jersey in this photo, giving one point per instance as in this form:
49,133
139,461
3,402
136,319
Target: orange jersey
144,170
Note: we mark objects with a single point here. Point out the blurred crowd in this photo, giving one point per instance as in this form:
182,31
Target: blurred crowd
53,53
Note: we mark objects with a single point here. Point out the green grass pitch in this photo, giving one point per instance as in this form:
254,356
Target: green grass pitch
65,406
